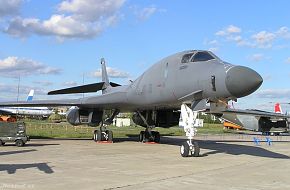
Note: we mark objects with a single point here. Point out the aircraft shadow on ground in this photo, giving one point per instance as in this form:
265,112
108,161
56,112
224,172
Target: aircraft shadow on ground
228,148
218,147
35,144
16,152
12,168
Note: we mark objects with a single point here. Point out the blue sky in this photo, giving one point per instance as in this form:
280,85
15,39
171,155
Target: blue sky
53,44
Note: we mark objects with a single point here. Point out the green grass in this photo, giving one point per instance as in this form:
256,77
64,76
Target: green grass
42,129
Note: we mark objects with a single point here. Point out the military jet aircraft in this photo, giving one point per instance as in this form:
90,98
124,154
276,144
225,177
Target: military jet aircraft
194,77
256,120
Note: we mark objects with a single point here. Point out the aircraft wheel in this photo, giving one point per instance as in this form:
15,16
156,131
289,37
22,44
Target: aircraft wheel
19,143
109,135
195,149
97,135
141,136
184,149
146,137
1,143
157,137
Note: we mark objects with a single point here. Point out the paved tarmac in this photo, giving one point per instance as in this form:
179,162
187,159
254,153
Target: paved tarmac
226,162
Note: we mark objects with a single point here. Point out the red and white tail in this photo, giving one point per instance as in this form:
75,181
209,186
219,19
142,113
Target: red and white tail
278,108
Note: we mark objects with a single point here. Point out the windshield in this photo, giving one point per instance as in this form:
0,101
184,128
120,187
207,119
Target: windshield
202,56
186,57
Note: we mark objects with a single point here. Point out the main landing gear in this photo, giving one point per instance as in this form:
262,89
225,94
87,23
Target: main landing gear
103,134
148,135
189,121
145,136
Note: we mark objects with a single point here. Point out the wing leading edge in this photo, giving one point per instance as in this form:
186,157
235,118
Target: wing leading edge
111,100
257,113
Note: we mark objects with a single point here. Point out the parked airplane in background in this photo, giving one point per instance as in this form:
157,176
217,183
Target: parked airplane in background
257,120
193,77
43,112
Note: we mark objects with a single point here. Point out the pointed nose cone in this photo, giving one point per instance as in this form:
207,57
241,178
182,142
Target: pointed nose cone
242,81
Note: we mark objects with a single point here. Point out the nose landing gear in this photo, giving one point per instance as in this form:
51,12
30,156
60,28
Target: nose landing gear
189,122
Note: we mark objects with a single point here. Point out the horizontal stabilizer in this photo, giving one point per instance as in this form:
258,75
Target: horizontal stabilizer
79,89
114,84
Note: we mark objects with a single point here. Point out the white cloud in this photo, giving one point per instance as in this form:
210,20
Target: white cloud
264,39
112,72
213,49
43,83
75,19
9,7
15,67
230,30
213,45
257,57
70,83
9,92
91,10
147,12
283,32
233,33
267,77
287,60
273,93
58,25
211,42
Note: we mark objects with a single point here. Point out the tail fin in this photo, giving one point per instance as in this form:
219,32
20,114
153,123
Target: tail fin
105,77
30,96
278,108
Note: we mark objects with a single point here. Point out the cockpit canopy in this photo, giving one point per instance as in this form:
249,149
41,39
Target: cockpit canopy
197,56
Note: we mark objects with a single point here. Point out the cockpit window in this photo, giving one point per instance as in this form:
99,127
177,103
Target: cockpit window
186,57
202,56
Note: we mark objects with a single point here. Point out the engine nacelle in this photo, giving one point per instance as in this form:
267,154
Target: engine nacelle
160,118
77,116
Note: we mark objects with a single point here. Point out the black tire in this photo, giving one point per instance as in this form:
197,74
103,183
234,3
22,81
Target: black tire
109,135
97,135
19,143
146,136
1,143
141,136
184,149
157,137
196,149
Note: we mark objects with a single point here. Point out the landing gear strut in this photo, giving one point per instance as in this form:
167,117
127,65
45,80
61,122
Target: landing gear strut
145,136
148,135
103,134
189,121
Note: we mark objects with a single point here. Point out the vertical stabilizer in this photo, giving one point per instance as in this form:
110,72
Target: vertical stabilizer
30,96
105,77
278,108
